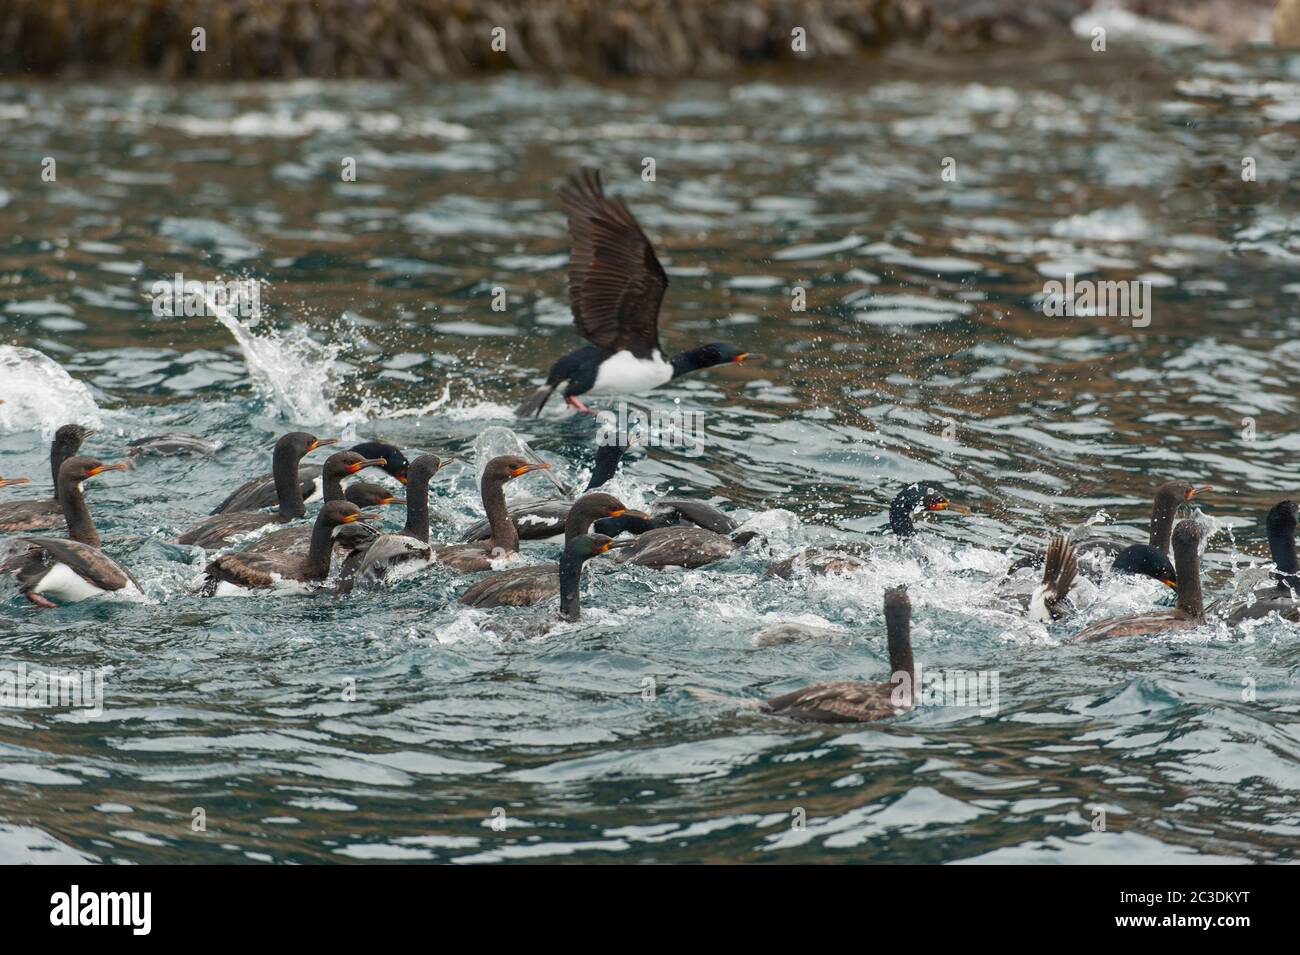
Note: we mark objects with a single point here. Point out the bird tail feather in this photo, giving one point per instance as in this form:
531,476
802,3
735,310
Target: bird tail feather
533,404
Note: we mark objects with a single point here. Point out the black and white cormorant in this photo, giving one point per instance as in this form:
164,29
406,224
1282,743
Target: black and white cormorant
235,573
616,285
219,529
54,570
262,492
42,515
504,542
525,586
1188,613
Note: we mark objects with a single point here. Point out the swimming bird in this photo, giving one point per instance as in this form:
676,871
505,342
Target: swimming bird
544,518
340,464
40,515
230,574
681,546
1051,601
1281,596
1144,560
616,285
845,701
504,542
576,553
375,559
1189,612
912,500
668,512
52,570
524,586
262,492
219,529
172,444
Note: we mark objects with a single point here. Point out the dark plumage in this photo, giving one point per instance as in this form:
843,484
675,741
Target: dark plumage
261,492
912,500
261,571
296,540
542,519
1281,596
221,528
173,444
40,515
524,586
1189,611
372,561
469,558
616,285
51,569
843,701
1152,558
678,547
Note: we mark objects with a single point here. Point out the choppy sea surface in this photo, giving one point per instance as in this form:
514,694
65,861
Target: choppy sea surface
397,726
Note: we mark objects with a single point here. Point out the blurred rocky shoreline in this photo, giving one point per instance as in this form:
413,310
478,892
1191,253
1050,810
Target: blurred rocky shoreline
422,39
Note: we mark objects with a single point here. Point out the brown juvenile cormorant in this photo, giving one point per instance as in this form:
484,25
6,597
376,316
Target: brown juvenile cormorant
1280,597
524,586
907,503
504,542
41,515
1187,614
262,492
846,701
230,574
52,569
219,529
616,285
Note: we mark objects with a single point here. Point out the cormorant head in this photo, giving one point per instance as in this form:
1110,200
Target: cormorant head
69,437
339,513
1282,516
366,494
300,442
342,463
718,353
423,468
586,546
395,462
507,467
78,469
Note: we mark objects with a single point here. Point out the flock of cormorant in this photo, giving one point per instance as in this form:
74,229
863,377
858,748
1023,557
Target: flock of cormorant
616,285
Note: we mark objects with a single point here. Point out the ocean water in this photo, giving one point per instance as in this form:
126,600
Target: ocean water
397,726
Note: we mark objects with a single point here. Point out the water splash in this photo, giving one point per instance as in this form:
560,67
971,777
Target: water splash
38,393
291,370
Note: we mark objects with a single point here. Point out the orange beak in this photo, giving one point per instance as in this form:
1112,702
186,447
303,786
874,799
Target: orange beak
1192,492
393,500
529,467
101,468
321,442
5,482
368,463
747,356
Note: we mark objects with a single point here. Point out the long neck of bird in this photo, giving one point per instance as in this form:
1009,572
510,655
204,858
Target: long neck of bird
1281,544
81,528
59,452
1162,522
321,549
331,485
607,458
570,584
505,536
417,507
578,522
284,468
1187,564
898,629
689,361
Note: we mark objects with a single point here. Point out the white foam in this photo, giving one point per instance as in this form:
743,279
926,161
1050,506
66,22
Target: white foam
38,393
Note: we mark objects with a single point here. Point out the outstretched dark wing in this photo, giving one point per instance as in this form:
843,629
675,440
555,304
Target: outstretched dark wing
615,281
